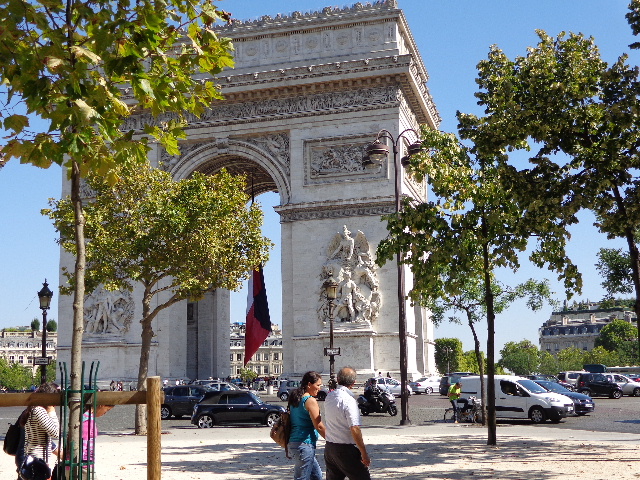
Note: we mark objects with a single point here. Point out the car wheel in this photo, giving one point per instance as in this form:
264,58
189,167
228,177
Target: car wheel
536,414
284,396
165,412
393,410
272,418
206,421
428,390
616,394
636,392
364,410
322,396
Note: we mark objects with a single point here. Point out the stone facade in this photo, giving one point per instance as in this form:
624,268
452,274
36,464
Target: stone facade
266,362
578,328
22,347
307,93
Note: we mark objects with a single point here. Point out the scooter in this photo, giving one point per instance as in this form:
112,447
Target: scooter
373,401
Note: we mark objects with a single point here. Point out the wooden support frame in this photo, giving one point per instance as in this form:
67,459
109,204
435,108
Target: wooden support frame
152,397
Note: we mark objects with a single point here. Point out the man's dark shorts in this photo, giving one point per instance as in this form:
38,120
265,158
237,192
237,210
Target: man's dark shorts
343,460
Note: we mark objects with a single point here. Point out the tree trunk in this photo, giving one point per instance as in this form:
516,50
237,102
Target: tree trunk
634,256
491,317
483,393
143,369
75,404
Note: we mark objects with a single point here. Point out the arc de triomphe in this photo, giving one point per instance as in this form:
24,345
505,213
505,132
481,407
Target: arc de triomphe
308,92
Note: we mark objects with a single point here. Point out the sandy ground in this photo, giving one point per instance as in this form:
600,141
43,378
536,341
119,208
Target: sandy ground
443,451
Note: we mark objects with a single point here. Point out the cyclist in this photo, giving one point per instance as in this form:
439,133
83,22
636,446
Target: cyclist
454,394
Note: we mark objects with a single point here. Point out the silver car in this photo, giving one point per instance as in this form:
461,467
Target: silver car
628,386
391,383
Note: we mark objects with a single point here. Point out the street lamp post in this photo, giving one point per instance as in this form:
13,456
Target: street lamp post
376,152
331,289
44,295
448,351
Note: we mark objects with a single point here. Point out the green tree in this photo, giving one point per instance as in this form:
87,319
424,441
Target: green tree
177,239
470,303
448,353
570,359
615,333
247,375
83,68
548,364
614,266
52,326
602,356
563,98
480,220
15,376
35,324
469,362
521,358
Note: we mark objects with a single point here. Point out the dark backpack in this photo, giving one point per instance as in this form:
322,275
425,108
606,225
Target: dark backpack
12,439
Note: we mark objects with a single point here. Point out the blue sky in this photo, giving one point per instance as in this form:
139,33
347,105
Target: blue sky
452,38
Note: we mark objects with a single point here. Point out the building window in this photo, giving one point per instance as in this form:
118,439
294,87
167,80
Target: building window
265,370
265,356
231,357
276,356
238,357
20,359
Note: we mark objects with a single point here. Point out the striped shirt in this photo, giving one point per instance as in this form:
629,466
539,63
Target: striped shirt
40,427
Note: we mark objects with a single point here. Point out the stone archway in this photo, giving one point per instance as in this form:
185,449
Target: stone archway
307,93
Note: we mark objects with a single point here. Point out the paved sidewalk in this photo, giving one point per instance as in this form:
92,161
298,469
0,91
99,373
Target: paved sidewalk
434,451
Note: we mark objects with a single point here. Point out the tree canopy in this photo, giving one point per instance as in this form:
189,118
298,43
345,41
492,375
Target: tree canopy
178,239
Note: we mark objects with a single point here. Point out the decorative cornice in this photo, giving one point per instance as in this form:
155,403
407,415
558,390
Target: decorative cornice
301,106
353,207
295,19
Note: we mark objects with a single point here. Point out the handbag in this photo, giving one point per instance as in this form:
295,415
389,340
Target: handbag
12,439
281,431
34,468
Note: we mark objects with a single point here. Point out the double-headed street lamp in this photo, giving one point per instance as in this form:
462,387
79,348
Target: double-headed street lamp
376,152
331,290
44,295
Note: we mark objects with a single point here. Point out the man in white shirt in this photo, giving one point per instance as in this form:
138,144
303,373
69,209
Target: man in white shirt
345,454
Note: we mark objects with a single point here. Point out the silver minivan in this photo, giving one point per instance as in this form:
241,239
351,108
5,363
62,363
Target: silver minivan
570,377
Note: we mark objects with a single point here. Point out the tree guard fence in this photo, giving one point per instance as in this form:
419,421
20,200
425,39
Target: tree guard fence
83,467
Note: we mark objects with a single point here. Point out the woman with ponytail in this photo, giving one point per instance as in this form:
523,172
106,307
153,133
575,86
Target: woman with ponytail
306,423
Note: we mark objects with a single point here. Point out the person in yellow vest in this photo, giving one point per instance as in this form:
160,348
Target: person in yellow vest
454,394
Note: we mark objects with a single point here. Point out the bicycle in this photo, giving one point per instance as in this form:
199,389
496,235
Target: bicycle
470,411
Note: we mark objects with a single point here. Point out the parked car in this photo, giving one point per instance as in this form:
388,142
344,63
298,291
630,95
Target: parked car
582,404
425,385
628,386
518,397
285,388
393,384
179,400
550,378
597,384
234,407
450,379
570,377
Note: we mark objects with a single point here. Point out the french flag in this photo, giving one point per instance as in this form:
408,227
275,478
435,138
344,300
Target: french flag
258,321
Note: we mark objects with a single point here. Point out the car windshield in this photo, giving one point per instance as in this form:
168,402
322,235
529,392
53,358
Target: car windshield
423,379
256,399
531,386
553,387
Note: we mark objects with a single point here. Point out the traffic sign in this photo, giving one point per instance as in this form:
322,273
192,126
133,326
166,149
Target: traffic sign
331,351
41,361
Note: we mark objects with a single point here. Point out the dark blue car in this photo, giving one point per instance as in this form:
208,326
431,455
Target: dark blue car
582,404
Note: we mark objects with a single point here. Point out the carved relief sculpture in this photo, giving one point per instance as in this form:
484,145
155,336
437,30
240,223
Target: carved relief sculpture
349,262
108,313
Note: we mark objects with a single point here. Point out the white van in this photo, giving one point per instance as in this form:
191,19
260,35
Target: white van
518,397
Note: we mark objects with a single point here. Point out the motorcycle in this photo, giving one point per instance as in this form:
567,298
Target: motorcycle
377,401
